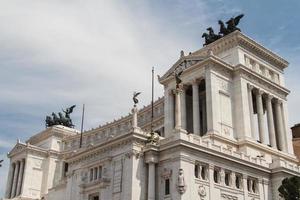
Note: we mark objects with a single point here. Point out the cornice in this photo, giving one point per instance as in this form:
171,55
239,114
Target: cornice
185,144
262,81
211,59
239,39
58,130
21,147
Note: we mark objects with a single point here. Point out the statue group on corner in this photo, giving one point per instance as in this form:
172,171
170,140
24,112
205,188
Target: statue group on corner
61,119
231,27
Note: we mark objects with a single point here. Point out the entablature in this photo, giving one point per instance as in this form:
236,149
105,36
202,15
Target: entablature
105,147
21,147
238,39
261,81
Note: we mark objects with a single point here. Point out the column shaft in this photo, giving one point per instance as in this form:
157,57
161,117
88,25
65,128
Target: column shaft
178,109
19,183
183,109
196,109
279,126
204,123
10,180
151,181
211,181
260,117
250,102
14,185
270,119
171,109
245,187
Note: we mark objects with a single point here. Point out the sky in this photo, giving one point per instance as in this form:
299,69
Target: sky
56,53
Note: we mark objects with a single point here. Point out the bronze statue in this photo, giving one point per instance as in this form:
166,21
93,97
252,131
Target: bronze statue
223,30
211,36
177,78
231,27
61,120
233,22
134,98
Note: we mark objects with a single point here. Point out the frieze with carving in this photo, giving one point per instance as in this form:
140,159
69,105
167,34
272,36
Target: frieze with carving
228,197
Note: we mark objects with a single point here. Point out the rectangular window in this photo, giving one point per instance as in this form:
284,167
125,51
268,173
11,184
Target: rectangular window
196,172
100,172
167,186
91,174
95,173
227,178
66,167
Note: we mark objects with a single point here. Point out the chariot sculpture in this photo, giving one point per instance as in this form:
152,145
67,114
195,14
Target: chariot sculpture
231,27
61,119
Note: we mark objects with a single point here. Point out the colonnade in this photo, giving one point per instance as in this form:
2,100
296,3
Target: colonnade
177,113
275,119
15,179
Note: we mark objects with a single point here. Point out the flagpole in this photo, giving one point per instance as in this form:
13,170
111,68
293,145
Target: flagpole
152,101
81,131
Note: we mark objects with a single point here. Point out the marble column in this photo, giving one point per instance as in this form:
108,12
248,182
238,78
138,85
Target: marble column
151,181
151,158
183,108
279,126
177,92
15,180
250,102
20,177
245,186
196,108
260,117
211,169
10,180
232,179
171,109
271,127
204,123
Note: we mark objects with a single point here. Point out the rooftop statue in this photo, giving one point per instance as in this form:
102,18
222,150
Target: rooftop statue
177,78
64,120
231,27
134,98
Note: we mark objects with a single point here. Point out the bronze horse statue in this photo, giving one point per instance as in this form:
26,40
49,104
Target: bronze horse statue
61,120
231,27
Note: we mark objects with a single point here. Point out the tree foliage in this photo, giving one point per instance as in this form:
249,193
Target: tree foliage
290,188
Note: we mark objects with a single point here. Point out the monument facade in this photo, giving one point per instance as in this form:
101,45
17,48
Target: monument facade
223,134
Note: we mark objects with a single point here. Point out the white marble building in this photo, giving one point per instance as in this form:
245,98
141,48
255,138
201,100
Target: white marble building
223,135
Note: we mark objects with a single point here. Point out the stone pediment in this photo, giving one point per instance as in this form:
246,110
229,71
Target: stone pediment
182,63
19,147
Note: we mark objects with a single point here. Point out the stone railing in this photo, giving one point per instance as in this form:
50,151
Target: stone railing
195,139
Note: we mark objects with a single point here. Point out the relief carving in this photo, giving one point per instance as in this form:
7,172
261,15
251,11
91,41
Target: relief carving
181,187
202,192
228,197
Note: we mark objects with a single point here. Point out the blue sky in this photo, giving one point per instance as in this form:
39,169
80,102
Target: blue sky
58,53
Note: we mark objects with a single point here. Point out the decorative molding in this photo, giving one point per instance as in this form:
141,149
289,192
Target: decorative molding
167,173
202,192
228,197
